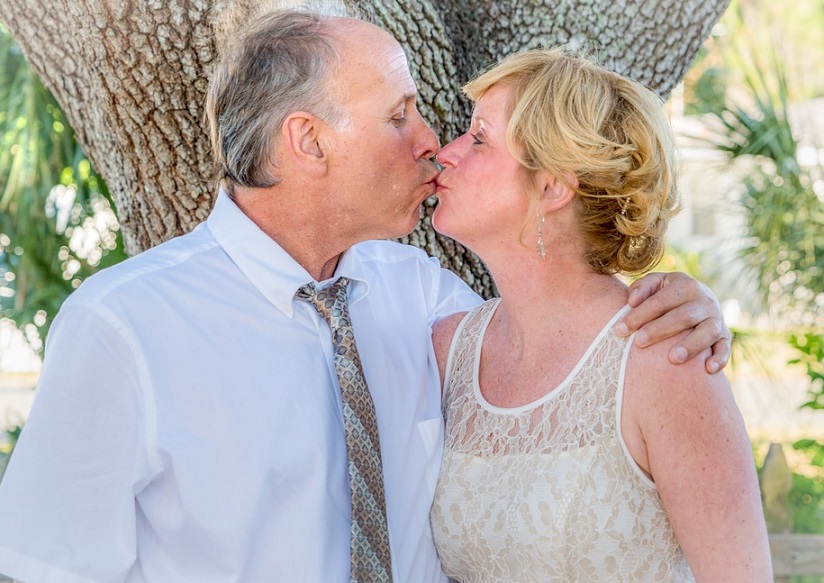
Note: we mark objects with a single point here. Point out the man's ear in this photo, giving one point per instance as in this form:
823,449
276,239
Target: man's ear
301,140
557,192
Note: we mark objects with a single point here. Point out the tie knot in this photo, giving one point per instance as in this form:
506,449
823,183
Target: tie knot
330,301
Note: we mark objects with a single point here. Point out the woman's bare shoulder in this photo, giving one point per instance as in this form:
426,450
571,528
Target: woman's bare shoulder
442,333
444,330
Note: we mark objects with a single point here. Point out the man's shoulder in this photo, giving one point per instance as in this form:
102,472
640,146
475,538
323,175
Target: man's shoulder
404,271
147,267
389,252
395,264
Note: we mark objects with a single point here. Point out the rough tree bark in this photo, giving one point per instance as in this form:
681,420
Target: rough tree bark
131,77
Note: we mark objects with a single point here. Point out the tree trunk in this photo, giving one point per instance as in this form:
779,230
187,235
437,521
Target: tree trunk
131,78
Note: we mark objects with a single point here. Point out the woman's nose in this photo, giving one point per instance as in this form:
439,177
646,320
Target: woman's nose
448,155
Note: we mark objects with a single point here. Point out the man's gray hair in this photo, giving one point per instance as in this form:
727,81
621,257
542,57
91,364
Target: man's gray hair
282,63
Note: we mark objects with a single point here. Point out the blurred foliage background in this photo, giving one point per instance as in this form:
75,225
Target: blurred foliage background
758,87
56,220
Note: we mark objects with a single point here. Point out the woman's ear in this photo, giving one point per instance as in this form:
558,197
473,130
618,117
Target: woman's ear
301,133
557,192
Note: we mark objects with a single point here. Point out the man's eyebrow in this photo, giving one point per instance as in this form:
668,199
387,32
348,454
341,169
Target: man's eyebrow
412,95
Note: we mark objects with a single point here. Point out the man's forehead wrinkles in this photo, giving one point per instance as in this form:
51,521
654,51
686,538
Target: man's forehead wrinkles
396,59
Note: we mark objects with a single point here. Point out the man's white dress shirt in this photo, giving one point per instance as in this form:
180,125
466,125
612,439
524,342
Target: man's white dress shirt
187,425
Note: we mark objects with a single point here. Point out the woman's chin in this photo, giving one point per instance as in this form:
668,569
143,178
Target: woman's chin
437,221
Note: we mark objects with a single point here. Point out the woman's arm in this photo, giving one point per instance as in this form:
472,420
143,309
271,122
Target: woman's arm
683,428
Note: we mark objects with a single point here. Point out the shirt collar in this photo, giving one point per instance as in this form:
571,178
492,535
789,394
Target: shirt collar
267,266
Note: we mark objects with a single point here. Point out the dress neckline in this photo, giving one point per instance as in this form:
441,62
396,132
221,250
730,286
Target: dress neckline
492,307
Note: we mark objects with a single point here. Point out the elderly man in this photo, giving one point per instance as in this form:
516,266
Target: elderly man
195,419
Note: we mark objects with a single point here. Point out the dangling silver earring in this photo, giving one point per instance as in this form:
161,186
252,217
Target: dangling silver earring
541,250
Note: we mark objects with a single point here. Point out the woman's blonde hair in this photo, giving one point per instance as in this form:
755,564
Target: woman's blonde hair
570,115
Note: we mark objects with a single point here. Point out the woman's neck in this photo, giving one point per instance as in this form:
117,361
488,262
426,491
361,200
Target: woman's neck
548,297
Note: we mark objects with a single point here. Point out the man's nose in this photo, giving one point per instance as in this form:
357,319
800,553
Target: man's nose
429,141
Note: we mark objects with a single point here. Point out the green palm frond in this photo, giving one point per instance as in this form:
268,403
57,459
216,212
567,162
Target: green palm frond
784,217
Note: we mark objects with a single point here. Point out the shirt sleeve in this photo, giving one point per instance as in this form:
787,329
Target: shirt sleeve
67,500
451,294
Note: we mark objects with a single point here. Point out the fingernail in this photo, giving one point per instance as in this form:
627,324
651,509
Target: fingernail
641,338
621,329
680,354
713,367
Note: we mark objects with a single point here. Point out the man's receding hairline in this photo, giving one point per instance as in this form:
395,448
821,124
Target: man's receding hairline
346,24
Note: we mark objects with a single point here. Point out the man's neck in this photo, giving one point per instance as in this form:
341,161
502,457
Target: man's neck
309,241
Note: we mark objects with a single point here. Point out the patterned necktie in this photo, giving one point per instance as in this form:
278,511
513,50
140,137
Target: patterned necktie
369,547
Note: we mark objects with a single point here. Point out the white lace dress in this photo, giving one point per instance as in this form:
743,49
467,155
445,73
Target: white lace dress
546,491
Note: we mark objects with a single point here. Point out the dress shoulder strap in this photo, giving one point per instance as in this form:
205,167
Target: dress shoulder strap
465,342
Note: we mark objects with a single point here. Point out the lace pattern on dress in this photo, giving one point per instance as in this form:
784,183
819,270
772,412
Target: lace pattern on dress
546,492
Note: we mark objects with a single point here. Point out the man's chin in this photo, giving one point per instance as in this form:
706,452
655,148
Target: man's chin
414,219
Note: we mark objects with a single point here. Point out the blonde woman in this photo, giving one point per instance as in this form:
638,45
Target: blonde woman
572,455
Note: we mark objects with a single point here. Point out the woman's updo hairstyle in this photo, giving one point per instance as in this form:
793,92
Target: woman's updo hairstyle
570,115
